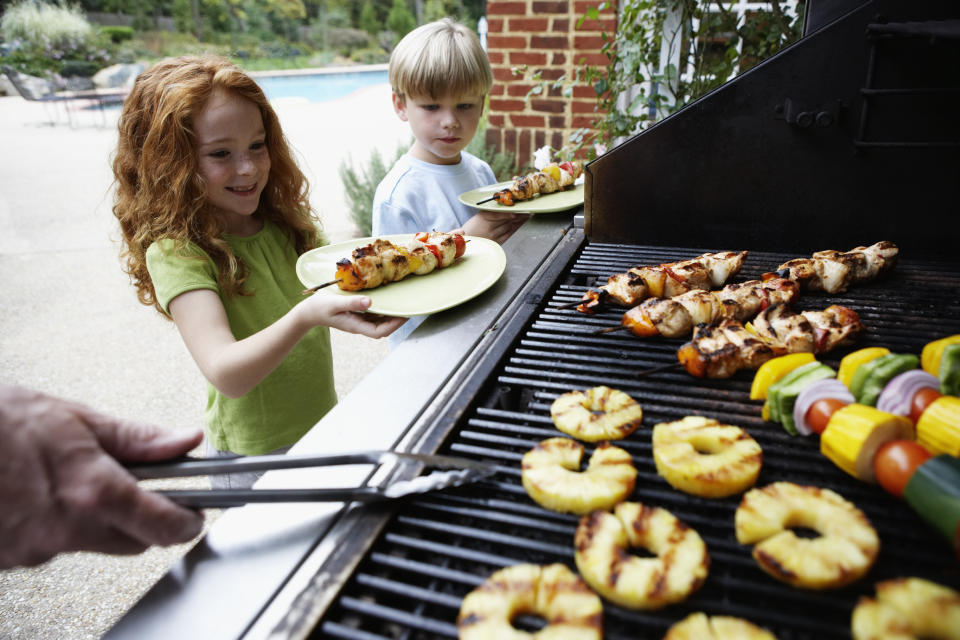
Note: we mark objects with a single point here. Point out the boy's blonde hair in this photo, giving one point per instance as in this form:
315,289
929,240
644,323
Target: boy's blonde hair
159,191
439,59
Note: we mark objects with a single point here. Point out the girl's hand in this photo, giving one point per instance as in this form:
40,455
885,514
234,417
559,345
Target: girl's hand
495,225
347,314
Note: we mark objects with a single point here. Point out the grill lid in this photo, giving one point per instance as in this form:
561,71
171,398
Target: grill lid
853,127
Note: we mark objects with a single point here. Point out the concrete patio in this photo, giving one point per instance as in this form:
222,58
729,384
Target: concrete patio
70,323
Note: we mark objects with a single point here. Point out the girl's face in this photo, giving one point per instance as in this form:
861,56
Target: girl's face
233,159
442,127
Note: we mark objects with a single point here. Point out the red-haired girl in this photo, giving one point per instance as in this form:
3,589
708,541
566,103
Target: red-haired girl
214,214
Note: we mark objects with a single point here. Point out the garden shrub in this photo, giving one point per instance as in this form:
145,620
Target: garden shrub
117,33
344,41
359,186
82,68
38,23
370,55
41,37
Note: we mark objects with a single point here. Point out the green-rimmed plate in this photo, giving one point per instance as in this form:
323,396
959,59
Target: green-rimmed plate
481,264
550,203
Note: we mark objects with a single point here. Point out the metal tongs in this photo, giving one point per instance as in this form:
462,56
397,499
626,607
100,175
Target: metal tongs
459,471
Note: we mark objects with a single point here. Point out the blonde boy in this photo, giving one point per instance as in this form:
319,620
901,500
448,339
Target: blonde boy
440,76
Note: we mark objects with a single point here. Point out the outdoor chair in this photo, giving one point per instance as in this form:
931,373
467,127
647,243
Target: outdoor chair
41,90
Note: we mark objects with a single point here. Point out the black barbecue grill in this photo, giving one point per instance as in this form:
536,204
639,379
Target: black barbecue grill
438,548
848,137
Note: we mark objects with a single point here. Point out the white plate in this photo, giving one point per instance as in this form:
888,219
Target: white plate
481,264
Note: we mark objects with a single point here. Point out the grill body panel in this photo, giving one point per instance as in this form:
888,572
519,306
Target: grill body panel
436,549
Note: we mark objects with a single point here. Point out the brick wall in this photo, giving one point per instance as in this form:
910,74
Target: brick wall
543,35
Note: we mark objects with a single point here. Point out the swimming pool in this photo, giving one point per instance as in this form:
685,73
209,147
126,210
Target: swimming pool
319,85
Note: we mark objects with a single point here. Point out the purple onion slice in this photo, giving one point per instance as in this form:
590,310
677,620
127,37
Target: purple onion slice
819,390
898,394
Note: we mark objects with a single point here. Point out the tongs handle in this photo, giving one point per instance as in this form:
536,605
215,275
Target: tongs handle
225,498
186,466
463,471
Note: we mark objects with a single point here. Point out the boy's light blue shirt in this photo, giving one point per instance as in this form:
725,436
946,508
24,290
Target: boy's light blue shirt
418,196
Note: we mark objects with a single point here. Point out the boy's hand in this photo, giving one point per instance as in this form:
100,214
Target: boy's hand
495,225
347,313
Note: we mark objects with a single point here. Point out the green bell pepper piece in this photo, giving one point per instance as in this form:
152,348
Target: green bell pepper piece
949,372
881,371
783,393
773,393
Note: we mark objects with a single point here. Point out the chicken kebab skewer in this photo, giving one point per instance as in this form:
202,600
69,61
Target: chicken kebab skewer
720,349
677,316
834,271
382,261
552,178
628,289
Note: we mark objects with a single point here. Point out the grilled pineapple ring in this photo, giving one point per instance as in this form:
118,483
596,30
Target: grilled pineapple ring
600,551
698,626
600,413
553,592
845,550
703,457
552,477
907,608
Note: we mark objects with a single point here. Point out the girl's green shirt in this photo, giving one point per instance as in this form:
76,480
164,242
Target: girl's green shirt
292,398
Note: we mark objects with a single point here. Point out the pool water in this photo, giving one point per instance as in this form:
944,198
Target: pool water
319,87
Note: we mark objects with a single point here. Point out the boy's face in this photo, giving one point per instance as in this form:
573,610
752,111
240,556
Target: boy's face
442,126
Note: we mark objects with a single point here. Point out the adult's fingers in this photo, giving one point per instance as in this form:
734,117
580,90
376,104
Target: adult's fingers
97,487
138,442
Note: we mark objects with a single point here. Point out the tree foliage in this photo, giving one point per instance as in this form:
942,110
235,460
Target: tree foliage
400,20
635,88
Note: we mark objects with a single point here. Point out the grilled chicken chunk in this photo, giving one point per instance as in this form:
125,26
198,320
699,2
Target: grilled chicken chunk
552,178
629,289
677,316
834,271
721,349
381,261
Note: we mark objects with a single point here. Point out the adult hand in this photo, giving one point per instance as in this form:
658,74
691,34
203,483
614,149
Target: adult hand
495,225
63,489
348,313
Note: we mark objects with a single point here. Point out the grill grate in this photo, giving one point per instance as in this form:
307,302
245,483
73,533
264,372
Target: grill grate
441,546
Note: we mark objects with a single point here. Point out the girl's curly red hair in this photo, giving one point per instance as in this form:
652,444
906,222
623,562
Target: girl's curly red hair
159,192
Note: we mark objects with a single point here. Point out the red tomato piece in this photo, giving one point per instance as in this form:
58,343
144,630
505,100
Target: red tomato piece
436,252
921,400
567,166
423,236
820,412
896,461
461,244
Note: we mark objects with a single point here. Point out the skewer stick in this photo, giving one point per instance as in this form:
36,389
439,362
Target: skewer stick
319,286
664,367
569,305
619,327
487,199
